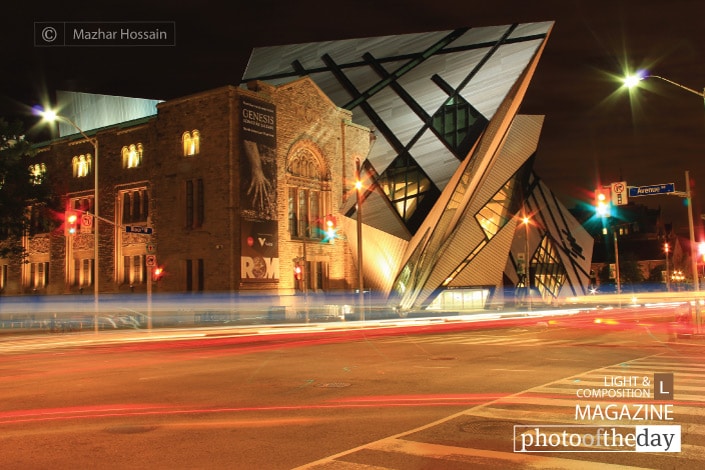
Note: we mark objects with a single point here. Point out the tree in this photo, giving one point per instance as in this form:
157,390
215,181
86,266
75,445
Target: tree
630,274
26,200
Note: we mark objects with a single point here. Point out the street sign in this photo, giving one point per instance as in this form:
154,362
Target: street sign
151,261
619,193
151,248
86,223
663,188
138,229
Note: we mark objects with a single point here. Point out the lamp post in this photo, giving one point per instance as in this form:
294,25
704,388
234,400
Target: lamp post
632,81
691,228
527,264
668,276
51,116
358,188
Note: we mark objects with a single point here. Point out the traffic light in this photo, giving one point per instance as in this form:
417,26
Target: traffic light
602,202
330,227
72,223
298,272
157,274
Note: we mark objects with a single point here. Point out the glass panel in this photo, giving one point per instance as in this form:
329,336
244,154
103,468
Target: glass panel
459,125
316,229
548,270
405,185
293,223
303,212
495,214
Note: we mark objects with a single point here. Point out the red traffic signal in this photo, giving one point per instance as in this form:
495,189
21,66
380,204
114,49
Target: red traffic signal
602,202
157,273
72,223
298,272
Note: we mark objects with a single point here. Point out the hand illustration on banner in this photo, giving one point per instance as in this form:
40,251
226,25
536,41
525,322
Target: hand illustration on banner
260,188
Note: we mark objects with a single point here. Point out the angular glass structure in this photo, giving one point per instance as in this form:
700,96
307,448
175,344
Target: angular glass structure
450,170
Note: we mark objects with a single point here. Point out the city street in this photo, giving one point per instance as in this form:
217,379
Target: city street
445,395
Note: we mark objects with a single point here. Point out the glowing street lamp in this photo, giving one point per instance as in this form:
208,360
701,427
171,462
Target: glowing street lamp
633,80
358,188
668,276
51,116
527,269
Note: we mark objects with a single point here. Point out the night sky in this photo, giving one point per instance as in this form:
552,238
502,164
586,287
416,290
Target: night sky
593,132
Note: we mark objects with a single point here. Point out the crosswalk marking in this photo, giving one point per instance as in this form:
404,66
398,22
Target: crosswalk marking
552,403
464,454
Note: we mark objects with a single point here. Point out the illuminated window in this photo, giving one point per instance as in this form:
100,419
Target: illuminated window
408,187
82,272
134,269
132,156
191,142
37,275
547,269
495,214
3,274
82,165
37,172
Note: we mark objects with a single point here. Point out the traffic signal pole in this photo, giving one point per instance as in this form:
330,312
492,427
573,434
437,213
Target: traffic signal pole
616,265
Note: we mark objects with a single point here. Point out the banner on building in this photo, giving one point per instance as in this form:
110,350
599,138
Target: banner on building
258,192
259,260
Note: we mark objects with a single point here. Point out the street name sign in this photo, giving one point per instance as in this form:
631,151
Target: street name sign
663,188
138,229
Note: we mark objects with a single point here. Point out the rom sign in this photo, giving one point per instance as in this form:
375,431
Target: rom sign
663,188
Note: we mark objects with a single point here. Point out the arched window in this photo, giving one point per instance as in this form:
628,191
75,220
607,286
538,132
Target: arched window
37,172
132,156
308,191
191,142
81,165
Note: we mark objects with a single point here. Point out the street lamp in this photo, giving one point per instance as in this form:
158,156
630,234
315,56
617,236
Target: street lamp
668,277
359,196
358,188
633,80
51,116
527,264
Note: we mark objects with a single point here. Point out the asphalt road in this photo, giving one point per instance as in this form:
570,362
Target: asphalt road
437,396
